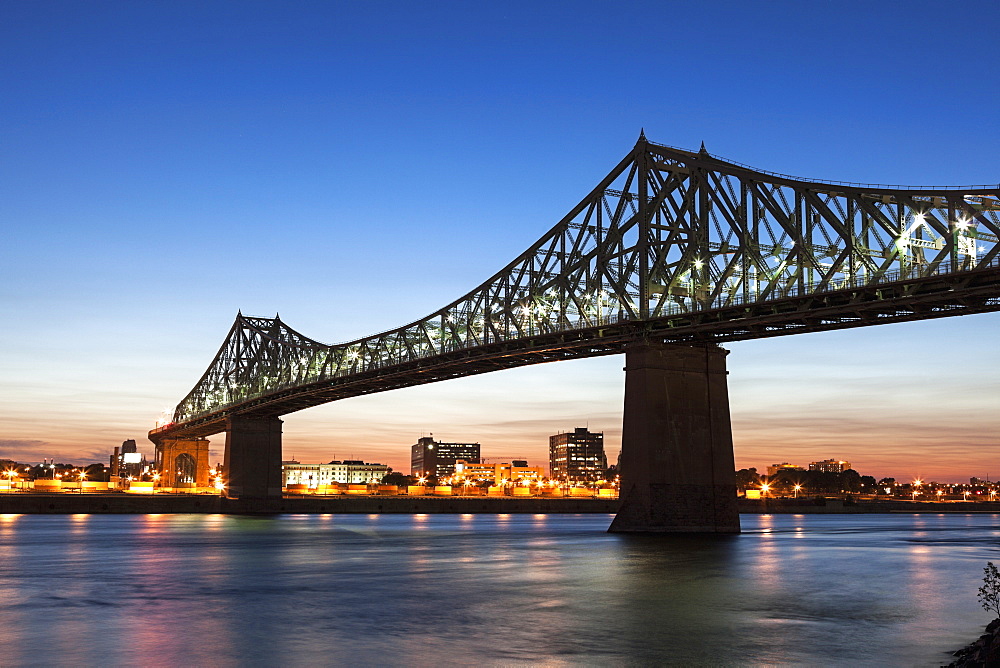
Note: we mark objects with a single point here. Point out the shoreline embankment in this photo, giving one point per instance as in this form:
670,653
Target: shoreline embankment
122,503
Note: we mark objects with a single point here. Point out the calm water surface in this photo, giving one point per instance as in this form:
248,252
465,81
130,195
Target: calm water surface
308,590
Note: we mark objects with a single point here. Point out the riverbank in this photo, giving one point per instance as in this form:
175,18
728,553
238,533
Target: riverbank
982,652
813,506
121,503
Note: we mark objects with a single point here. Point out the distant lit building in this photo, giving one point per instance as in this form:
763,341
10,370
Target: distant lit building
577,456
774,469
127,461
497,473
349,471
830,466
432,458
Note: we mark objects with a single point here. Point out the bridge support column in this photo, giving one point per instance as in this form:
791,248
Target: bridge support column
253,458
677,469
178,472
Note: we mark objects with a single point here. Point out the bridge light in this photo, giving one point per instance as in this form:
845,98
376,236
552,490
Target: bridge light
698,264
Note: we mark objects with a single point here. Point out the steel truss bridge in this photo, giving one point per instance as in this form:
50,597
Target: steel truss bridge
673,246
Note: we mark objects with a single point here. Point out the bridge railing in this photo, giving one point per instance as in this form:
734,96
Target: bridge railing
849,184
853,283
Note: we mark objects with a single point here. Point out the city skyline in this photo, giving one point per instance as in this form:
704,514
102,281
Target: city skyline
164,169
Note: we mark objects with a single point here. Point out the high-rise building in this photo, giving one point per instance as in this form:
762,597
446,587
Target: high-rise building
127,461
830,466
432,458
577,456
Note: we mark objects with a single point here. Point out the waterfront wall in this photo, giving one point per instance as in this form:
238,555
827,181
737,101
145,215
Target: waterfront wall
41,503
813,506
206,503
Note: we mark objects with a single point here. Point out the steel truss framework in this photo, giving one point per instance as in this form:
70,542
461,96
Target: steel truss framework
672,245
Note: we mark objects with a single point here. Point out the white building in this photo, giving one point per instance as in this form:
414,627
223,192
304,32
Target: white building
354,472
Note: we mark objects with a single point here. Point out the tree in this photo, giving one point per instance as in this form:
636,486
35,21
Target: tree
850,481
989,593
785,480
96,472
747,478
397,478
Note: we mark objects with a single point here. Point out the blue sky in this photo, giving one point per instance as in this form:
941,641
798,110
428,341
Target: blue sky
355,166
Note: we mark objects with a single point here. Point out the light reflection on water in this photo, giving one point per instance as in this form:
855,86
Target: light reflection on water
298,590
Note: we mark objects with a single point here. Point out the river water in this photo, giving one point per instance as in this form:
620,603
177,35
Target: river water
422,590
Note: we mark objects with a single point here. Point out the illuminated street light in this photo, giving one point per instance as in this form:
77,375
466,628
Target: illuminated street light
764,488
797,488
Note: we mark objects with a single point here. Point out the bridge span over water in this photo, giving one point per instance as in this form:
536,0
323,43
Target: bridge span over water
671,254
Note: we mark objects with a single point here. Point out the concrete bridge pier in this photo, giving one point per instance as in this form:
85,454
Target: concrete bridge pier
169,454
677,468
253,457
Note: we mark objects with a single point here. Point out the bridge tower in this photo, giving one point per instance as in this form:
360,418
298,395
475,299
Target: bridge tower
183,464
678,473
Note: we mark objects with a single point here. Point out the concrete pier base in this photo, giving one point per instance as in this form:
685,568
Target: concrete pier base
253,458
168,464
677,468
